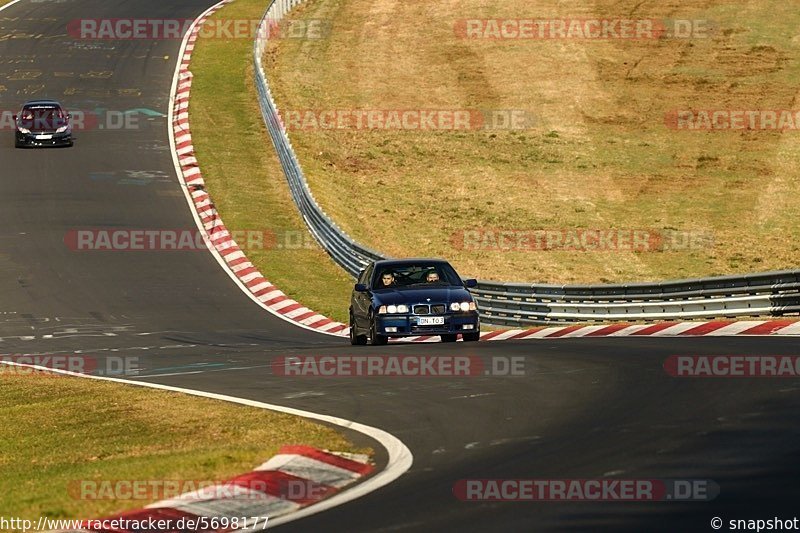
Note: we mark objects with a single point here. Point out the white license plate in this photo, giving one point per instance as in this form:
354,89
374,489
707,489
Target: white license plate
431,321
43,137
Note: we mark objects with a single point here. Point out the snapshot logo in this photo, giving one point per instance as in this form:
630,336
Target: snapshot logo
172,29
599,490
81,364
583,240
733,366
407,119
182,240
412,366
583,29
252,486
80,120
733,119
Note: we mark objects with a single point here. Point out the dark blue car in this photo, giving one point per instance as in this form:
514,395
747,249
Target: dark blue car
410,297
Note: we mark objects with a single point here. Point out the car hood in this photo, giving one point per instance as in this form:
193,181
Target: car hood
43,126
409,296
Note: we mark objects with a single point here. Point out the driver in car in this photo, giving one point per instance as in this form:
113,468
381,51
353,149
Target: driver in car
432,277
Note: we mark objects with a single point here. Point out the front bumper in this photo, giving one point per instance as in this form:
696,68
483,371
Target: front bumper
408,325
56,139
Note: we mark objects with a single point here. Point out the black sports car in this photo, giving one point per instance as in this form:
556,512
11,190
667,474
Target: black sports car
42,123
410,297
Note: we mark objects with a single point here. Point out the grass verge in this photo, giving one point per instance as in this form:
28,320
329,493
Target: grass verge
243,174
59,431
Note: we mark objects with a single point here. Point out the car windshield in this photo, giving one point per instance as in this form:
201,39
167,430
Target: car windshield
42,117
416,275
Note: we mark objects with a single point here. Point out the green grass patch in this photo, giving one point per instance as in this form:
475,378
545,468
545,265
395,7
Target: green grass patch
58,431
243,174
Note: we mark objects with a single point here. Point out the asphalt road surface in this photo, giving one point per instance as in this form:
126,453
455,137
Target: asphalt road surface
582,408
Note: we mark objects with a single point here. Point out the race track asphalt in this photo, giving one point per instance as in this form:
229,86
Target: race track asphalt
584,408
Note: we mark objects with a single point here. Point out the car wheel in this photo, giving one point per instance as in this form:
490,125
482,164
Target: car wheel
471,337
377,340
449,337
356,340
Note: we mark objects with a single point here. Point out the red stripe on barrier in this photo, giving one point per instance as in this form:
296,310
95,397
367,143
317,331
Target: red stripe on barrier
245,271
238,261
280,485
523,334
655,328
768,328
289,308
277,299
300,318
608,330
704,329
229,251
564,331
329,458
255,281
492,334
319,323
265,290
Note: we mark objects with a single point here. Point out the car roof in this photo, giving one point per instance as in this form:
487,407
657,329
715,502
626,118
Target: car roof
408,261
48,103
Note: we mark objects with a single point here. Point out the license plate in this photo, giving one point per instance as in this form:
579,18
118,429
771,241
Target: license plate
43,137
431,321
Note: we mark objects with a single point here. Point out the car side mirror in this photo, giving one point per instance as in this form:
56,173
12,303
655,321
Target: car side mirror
470,283
68,116
14,117
360,287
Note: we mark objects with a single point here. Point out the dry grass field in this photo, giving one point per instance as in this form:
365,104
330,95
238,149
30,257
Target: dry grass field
599,153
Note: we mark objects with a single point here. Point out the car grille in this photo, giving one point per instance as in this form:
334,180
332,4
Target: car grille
424,309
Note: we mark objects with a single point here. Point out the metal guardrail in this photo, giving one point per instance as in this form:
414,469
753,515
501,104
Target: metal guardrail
519,304
349,254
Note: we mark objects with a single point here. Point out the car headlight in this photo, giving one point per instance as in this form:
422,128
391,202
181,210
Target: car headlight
24,130
392,309
62,129
463,306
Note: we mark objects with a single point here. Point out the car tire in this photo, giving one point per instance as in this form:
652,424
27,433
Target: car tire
356,340
450,337
377,340
471,337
